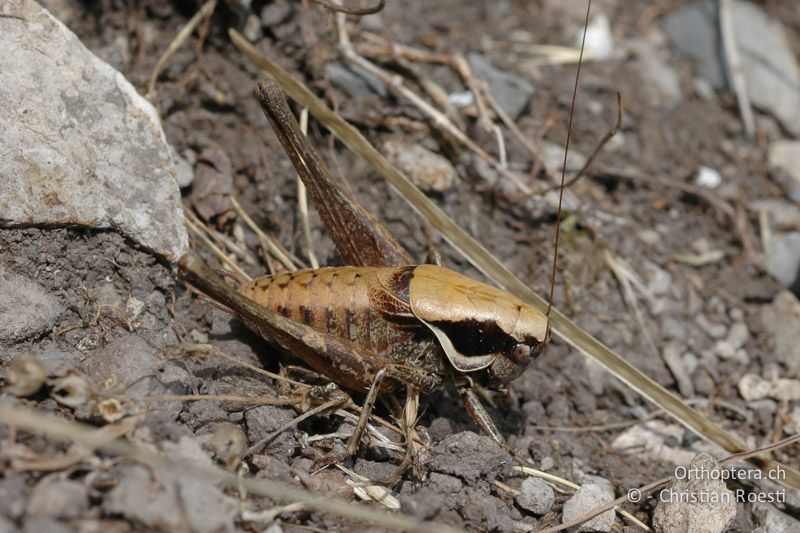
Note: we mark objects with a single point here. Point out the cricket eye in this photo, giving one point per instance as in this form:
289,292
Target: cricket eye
521,354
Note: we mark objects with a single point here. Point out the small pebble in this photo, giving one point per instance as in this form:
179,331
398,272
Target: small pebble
753,387
593,494
535,496
708,178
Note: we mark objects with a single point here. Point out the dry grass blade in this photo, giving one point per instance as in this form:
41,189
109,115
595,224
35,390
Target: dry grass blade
51,426
176,43
494,269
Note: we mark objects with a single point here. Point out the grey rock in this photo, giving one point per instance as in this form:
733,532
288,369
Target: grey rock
263,420
693,30
468,456
535,496
275,13
511,91
710,511
768,519
427,170
554,157
134,363
78,144
58,499
754,387
26,309
784,165
783,215
356,82
783,256
6,525
184,170
13,496
592,494
137,497
213,182
768,63
713,329
444,484
781,319
658,280
662,85
41,524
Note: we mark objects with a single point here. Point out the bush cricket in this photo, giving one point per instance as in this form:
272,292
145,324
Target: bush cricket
384,316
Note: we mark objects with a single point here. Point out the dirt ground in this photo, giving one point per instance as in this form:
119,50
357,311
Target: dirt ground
205,98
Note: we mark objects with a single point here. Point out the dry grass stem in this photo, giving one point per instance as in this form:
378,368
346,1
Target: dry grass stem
180,38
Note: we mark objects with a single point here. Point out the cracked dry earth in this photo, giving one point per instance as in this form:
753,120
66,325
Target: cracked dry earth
708,322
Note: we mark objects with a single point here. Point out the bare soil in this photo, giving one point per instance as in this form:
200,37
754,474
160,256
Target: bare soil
206,103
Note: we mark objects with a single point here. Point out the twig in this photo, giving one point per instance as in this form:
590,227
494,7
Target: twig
199,229
734,68
599,146
336,402
180,38
473,84
61,429
302,201
396,85
538,159
266,241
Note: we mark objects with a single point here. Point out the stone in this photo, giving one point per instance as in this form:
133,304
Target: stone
695,501
784,167
511,91
783,215
427,170
468,456
599,37
275,13
26,309
662,85
708,177
768,519
535,496
213,183
263,420
754,387
58,499
154,503
593,494
783,256
786,389
78,144
781,319
768,62
356,82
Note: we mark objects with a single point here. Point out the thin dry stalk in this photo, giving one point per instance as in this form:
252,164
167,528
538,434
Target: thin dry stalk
180,38
302,201
287,260
200,230
58,428
396,85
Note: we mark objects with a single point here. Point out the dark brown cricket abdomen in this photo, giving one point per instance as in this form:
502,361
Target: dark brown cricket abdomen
337,301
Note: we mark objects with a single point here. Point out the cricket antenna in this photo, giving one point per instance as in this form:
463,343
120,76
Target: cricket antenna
564,172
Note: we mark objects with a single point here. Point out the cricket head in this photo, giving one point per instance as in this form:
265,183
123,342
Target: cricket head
481,329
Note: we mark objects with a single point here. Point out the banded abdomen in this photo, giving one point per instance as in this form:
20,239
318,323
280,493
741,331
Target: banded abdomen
365,305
